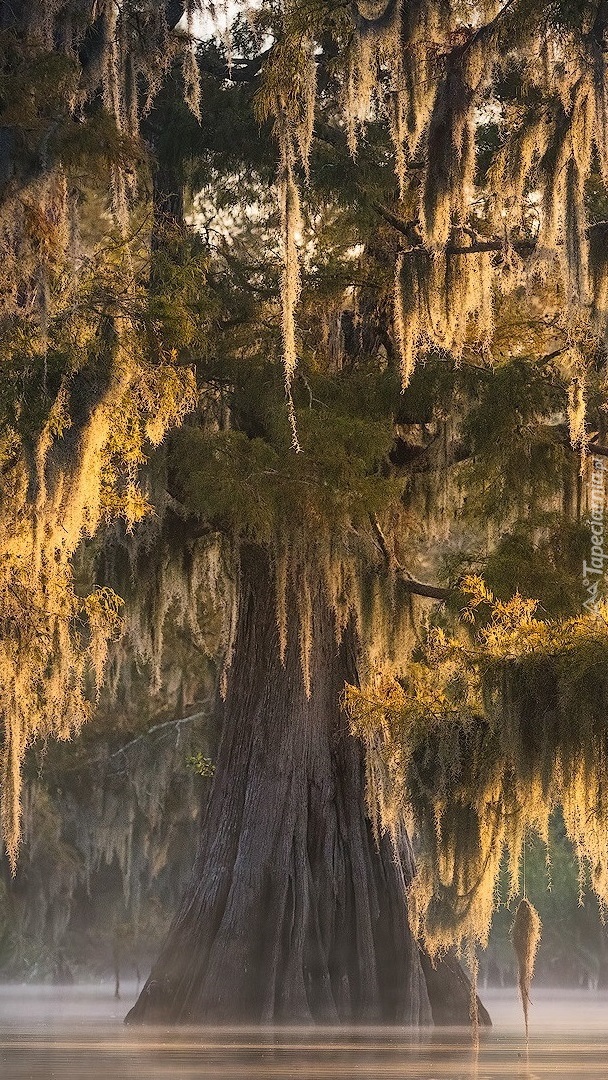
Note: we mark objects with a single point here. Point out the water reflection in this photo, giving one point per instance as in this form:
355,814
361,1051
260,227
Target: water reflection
77,1034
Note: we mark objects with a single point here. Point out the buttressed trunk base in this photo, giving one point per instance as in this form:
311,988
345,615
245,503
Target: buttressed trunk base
293,913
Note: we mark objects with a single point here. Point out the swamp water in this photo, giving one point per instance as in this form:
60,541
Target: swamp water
77,1033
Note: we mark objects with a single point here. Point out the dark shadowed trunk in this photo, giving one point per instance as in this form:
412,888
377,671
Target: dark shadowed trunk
293,912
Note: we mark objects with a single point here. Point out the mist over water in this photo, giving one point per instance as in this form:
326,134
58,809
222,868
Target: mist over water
77,1033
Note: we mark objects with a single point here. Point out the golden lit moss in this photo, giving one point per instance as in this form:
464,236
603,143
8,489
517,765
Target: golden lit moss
378,48
50,636
571,365
496,132
361,81
443,301
190,68
405,334
376,608
70,319
288,96
576,414
194,590
526,934
450,172
281,565
291,223
59,485
476,746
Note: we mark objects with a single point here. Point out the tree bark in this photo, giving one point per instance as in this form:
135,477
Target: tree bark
294,913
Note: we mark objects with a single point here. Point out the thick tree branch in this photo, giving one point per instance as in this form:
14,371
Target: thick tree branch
473,249
560,434
411,230
238,71
419,588
489,27
174,12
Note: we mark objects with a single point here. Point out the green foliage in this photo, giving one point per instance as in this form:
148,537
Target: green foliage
572,14
200,764
514,460
252,486
549,567
36,86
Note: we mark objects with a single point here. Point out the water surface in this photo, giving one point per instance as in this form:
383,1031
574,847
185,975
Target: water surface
77,1033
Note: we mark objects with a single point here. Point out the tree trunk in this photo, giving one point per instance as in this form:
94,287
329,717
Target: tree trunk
294,913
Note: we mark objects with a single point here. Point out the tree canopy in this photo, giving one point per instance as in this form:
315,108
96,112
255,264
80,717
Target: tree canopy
373,233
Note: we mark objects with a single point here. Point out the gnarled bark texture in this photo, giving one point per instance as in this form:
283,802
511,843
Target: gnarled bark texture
293,912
